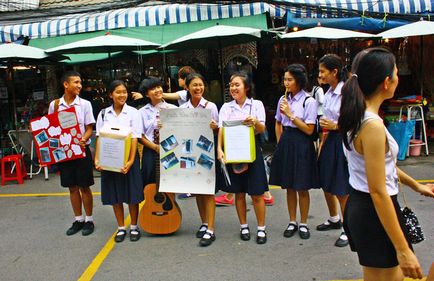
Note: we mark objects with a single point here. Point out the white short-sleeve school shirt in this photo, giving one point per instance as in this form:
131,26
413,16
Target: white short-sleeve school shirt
83,109
128,117
182,97
232,111
150,115
203,103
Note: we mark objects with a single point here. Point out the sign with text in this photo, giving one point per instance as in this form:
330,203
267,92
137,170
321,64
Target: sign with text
187,151
57,137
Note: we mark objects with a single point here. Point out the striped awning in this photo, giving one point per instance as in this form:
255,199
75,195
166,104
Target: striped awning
135,17
330,8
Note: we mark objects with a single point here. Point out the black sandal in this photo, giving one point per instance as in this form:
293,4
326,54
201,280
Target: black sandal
200,233
120,235
207,239
261,239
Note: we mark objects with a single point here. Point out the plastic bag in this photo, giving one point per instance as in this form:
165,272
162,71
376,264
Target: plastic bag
402,133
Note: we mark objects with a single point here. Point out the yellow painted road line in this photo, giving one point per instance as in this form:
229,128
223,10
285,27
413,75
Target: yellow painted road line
103,254
41,194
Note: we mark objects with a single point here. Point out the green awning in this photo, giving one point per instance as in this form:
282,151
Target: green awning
159,34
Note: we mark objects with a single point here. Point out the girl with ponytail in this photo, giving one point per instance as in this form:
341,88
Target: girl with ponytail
333,169
372,218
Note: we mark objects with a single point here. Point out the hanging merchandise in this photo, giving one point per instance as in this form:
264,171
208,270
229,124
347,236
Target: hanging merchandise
402,64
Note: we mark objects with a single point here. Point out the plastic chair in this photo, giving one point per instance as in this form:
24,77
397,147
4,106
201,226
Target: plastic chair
415,112
17,170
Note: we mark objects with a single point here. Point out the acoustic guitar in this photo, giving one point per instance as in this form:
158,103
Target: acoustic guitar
160,213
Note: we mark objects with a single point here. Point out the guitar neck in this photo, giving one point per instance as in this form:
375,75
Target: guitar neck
157,159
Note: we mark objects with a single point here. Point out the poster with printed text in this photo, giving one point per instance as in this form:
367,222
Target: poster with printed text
187,159
57,137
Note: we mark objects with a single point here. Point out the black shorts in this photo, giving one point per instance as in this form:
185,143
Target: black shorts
78,172
366,234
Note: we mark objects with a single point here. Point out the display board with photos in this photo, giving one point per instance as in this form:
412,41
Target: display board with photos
57,136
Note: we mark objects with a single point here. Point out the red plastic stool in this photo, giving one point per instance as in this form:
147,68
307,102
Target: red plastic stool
20,172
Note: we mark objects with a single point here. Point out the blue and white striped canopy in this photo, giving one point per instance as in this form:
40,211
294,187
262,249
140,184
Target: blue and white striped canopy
329,8
134,17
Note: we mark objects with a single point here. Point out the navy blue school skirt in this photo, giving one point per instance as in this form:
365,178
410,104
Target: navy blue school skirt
333,166
219,177
149,158
253,181
366,234
294,161
118,188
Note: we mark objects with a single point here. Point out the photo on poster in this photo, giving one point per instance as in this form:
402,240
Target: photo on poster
188,162
169,160
54,143
205,161
205,143
41,138
59,154
187,147
169,143
45,155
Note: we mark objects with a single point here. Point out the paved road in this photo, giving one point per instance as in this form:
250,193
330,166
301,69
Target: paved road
34,246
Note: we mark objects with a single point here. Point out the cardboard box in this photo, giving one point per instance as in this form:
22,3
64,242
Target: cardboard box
114,147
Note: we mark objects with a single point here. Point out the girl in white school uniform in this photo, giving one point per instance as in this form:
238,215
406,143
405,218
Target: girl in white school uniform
126,186
195,84
333,168
254,180
294,163
373,220
152,90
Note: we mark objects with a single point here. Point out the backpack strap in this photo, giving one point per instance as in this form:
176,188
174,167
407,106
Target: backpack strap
304,102
102,114
56,105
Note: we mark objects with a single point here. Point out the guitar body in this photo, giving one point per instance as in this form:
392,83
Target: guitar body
160,213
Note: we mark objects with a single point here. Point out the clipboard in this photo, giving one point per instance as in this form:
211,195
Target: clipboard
239,142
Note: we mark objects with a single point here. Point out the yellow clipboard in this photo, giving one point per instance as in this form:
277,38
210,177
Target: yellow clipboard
114,147
239,142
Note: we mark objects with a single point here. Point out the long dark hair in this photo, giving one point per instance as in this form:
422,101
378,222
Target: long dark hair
298,71
370,68
246,81
190,78
332,62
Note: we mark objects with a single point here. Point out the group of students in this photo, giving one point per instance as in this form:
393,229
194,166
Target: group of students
359,176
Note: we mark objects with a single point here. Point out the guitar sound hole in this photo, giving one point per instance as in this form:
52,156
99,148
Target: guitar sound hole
159,197
167,205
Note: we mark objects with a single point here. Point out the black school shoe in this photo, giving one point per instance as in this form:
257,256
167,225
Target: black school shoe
207,239
120,235
260,239
329,225
342,242
134,235
200,233
245,236
88,228
304,234
75,227
290,232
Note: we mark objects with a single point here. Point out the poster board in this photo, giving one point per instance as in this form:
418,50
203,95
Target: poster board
239,142
114,147
187,159
57,137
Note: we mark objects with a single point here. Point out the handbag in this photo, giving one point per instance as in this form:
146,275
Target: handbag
411,222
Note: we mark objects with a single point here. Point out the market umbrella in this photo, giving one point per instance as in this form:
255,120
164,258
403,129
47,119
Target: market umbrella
215,37
104,44
320,32
12,54
420,28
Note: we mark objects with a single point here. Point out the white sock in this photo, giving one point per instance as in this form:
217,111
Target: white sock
302,229
334,218
291,225
244,228
120,228
343,236
79,218
133,226
88,218
261,231
208,234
